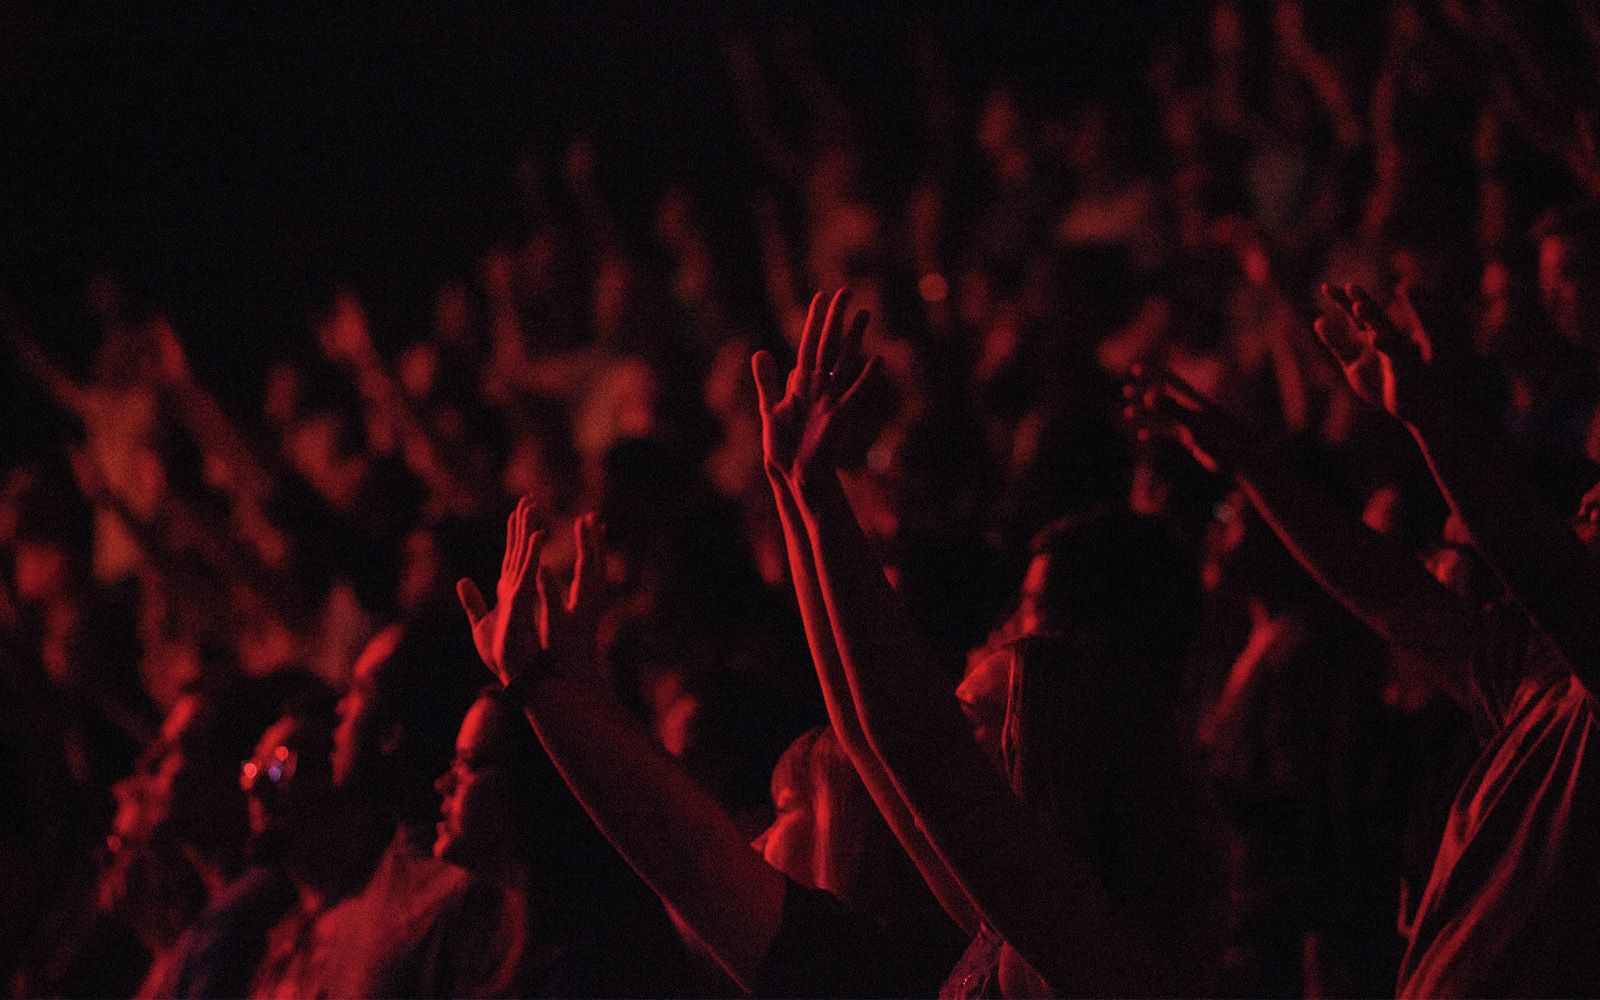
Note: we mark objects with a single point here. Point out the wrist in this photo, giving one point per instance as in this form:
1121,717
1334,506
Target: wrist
812,480
1425,421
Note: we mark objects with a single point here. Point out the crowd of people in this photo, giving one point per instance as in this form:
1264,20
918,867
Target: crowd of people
1142,569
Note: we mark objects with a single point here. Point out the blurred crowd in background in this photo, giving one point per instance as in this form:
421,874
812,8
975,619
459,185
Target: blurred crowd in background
219,546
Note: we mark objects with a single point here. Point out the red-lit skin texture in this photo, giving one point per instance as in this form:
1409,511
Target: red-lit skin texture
478,816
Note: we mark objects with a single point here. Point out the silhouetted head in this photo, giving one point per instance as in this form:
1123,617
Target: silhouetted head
506,813
182,807
827,833
397,721
288,779
1116,583
493,787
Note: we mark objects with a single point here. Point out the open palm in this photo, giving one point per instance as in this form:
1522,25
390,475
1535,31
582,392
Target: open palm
818,420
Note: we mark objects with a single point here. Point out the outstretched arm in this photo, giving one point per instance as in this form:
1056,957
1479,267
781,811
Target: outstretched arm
63,390
1539,557
782,410
678,839
1375,578
1028,883
203,417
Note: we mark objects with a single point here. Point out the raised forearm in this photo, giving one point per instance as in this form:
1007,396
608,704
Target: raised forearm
845,720
1032,887
1375,578
678,839
1536,553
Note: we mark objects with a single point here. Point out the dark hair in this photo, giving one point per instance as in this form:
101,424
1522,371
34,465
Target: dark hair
237,708
556,837
424,688
1119,584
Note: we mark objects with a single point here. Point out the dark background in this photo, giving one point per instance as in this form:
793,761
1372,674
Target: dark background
232,162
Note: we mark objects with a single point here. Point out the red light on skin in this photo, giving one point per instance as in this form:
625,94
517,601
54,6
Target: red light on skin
933,287
1257,267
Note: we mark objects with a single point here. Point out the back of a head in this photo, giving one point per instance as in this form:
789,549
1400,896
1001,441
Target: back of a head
852,852
1092,739
1120,585
287,801
231,711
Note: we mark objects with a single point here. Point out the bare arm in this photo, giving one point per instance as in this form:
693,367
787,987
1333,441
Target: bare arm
1538,556
678,839
847,725
1375,578
779,406
1033,887
345,338
668,828
65,392
1029,884
203,417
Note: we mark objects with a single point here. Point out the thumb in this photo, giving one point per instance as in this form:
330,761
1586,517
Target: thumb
769,381
472,601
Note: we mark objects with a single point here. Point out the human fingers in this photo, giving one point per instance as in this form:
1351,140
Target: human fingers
851,360
508,555
1175,388
588,569
805,362
1338,296
527,538
472,601
530,556
545,585
832,340
863,379
1338,337
769,380
1386,336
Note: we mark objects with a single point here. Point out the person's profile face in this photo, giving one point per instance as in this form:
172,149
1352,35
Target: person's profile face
476,815
983,694
802,841
790,843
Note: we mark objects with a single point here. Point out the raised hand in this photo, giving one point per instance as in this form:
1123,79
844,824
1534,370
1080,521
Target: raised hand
507,636
1162,405
569,621
535,626
1382,363
821,418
